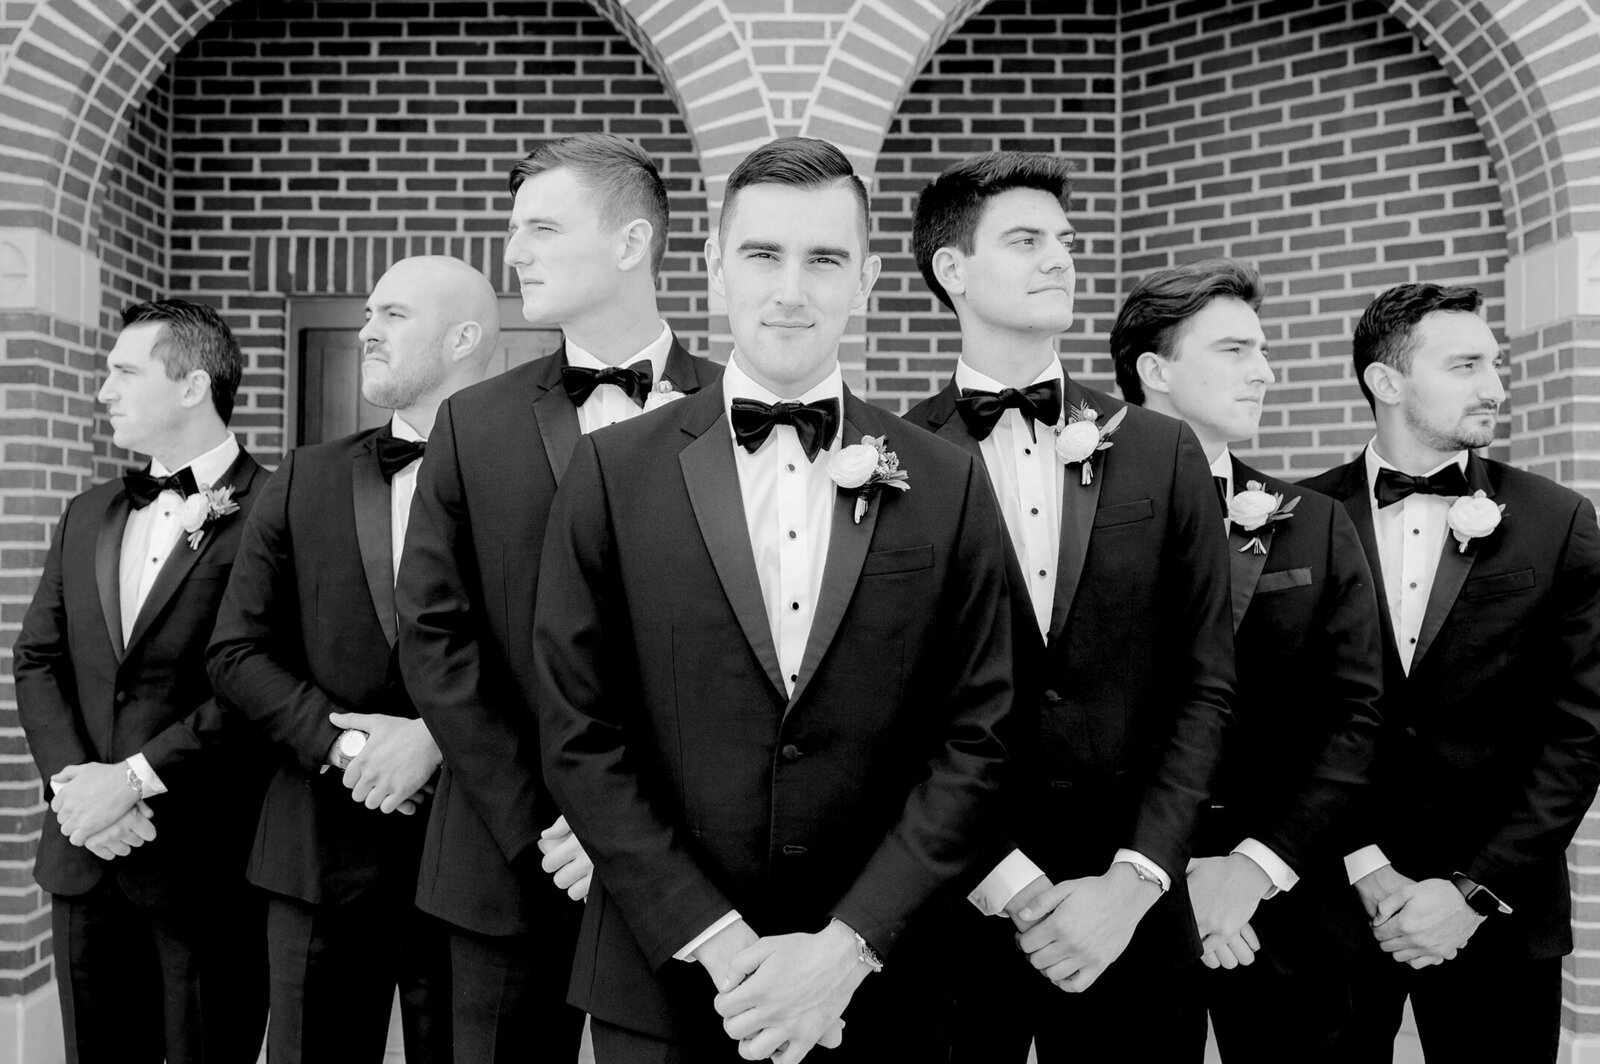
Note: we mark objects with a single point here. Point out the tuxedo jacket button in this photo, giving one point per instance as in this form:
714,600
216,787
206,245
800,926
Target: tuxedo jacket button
790,752
122,698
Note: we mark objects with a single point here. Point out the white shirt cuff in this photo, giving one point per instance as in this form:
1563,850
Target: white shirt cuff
1135,857
1363,862
147,775
687,953
1283,877
1005,882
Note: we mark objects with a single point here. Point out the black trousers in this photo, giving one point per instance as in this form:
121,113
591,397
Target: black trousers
509,997
1480,1006
184,984
334,973
1268,1011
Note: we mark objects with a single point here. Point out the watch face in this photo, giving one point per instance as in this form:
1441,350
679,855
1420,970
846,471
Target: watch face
351,743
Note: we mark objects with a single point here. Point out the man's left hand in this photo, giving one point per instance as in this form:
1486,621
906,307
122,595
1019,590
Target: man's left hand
1225,892
90,798
1090,923
565,859
397,761
795,991
1425,923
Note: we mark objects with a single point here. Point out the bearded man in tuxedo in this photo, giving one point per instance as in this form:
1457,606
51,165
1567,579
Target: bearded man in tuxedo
158,939
773,652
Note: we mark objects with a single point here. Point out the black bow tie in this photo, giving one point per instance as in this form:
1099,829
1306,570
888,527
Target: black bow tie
394,454
815,423
143,488
982,410
580,383
1394,485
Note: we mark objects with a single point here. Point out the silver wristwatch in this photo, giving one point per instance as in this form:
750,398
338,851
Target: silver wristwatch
349,744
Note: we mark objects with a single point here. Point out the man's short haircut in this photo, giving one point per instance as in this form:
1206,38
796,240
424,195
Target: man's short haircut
799,162
193,337
950,207
1153,316
618,173
1387,330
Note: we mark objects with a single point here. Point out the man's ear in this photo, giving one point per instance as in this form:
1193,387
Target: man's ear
870,269
1152,371
636,239
1384,382
467,337
949,271
196,388
714,265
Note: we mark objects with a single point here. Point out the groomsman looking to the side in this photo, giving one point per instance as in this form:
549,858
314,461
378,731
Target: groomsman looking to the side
1489,594
1125,662
1267,880
587,233
304,648
158,938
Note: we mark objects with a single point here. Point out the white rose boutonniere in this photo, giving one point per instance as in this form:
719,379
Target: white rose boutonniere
1473,517
1079,439
205,507
662,393
1255,510
864,468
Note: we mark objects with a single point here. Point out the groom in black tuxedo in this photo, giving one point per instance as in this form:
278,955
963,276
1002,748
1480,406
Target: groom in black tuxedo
158,939
1489,593
770,682
304,648
1267,879
588,232
1124,634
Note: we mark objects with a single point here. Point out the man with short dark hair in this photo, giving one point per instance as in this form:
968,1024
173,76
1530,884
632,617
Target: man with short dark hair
158,940
1267,882
304,649
773,656
588,229
1125,663
1489,593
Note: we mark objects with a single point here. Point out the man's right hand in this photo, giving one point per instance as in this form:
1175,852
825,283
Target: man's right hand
130,831
1377,885
717,952
1023,899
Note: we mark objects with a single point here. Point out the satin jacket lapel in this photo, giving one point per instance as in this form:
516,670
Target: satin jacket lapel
375,534
946,422
712,480
108,566
1454,567
1078,505
1244,563
557,418
1357,499
680,369
847,552
183,558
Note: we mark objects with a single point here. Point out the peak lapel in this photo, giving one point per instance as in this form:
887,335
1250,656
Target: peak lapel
1244,563
1356,495
1079,502
1455,565
712,480
107,566
557,418
375,533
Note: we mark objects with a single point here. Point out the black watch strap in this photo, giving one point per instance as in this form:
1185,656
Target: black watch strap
1480,898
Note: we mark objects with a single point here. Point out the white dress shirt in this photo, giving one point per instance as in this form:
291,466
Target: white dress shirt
1283,877
608,404
1411,535
788,511
403,488
149,537
1027,480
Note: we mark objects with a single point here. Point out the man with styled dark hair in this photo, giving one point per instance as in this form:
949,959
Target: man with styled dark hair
304,650
1266,881
773,652
158,939
1125,664
584,249
1489,593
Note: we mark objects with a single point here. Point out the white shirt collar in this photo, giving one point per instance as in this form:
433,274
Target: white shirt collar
402,430
737,384
208,468
655,352
1376,461
967,377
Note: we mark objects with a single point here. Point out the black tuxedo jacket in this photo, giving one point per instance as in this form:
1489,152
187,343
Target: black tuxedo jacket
1491,748
469,577
1131,693
307,629
1308,650
697,784
83,696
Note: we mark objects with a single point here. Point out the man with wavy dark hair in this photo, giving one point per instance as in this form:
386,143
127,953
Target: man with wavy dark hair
159,941
1266,880
1489,594
1125,662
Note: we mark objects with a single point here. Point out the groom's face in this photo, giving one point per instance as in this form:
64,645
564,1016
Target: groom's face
792,264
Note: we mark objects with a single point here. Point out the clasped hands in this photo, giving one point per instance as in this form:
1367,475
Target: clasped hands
96,809
782,995
394,770
1074,930
1416,923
